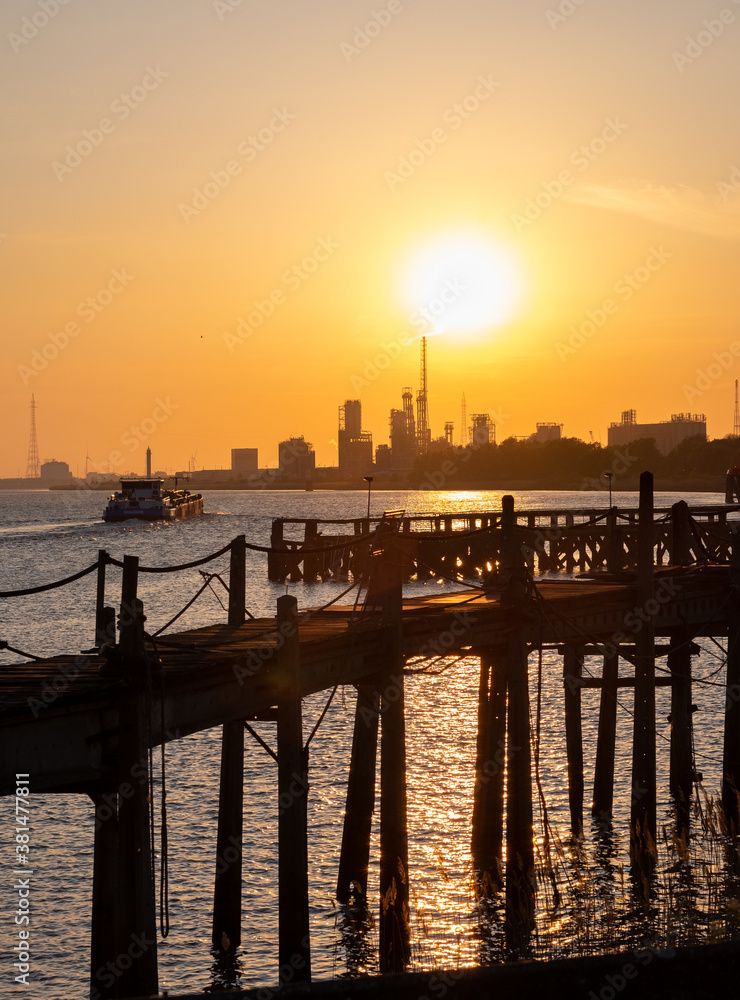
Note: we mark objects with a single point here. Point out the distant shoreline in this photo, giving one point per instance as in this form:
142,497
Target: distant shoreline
628,485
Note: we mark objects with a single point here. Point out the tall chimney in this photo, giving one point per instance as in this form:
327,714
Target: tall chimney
149,463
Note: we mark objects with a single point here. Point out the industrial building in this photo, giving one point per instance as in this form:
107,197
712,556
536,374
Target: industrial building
548,432
296,459
666,434
355,445
244,461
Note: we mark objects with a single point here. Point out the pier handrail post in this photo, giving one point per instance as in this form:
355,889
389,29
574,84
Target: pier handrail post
227,890
680,534
731,753
294,947
135,891
237,581
643,819
103,631
395,947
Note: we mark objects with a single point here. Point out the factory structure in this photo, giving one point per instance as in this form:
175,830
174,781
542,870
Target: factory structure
666,434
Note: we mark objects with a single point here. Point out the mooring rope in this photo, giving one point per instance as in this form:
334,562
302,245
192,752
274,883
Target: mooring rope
51,586
29,656
173,569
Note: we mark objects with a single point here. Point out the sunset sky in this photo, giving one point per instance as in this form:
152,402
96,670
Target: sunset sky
222,218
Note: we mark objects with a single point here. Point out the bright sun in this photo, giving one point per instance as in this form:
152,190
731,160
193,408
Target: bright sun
461,283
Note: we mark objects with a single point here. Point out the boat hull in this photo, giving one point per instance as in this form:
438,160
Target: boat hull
116,512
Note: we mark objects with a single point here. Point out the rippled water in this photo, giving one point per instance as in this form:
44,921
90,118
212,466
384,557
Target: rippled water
46,536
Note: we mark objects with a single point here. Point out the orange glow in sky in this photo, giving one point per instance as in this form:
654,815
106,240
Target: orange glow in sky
217,214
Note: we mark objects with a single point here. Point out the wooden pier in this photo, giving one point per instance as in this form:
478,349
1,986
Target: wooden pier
88,723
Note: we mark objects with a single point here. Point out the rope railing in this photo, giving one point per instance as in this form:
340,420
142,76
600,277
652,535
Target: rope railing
50,586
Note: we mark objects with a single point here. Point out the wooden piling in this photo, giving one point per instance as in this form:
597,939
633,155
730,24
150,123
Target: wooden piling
681,763
603,797
102,616
294,949
572,671
395,948
488,804
731,753
520,886
103,926
136,931
227,890
643,819
355,854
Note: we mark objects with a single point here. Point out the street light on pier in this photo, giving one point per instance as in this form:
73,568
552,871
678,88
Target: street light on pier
609,476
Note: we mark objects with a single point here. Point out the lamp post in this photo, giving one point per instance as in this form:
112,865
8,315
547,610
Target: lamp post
609,476
369,481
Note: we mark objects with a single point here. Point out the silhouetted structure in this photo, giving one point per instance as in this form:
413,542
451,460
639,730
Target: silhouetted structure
244,461
32,464
296,459
355,445
423,431
666,434
549,432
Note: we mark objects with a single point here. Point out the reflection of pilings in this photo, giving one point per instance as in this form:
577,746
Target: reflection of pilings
293,933
643,812
358,815
488,795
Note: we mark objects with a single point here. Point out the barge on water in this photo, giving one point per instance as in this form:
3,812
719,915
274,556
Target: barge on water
147,500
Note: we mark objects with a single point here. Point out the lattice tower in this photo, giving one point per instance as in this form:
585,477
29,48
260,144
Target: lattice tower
33,466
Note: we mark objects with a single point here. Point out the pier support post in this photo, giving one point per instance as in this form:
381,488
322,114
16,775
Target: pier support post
294,946
227,891
137,930
603,798
395,948
520,886
643,810
731,754
103,927
681,766
488,794
572,671
358,816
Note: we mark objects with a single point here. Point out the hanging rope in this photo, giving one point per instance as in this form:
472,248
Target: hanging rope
174,569
29,656
52,586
